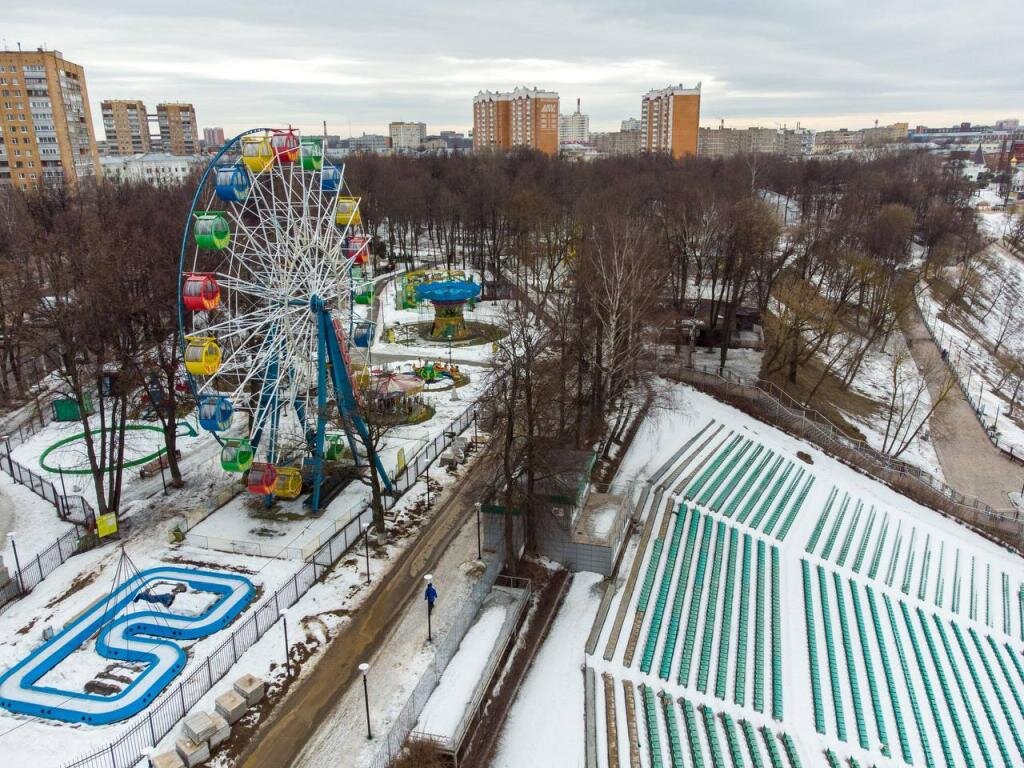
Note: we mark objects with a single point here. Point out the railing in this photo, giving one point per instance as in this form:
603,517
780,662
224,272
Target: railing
37,568
127,750
957,369
426,455
911,480
445,649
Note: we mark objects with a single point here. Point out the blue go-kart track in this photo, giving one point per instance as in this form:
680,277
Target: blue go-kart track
143,636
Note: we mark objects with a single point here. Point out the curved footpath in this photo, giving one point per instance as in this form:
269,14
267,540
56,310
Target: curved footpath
970,462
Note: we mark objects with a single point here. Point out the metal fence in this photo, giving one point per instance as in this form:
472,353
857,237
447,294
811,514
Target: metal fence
761,399
37,568
958,367
426,456
445,649
127,750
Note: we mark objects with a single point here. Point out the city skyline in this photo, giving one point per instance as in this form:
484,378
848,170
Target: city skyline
420,64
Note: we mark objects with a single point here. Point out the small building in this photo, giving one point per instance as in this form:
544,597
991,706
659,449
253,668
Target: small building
152,167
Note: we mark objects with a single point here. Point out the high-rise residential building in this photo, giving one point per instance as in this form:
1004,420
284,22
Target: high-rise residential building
407,136
624,142
45,125
630,124
669,119
525,117
574,128
213,138
179,133
126,126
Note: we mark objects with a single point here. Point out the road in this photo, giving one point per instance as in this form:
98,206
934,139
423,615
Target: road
970,462
313,701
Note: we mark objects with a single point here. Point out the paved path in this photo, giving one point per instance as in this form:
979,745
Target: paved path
970,463
315,700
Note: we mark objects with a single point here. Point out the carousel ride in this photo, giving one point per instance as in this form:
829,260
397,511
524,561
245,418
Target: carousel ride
270,273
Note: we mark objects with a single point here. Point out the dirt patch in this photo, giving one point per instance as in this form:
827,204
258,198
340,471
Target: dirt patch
28,627
804,457
177,560
100,688
81,581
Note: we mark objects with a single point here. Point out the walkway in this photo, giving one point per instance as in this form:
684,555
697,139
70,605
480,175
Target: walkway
321,697
970,462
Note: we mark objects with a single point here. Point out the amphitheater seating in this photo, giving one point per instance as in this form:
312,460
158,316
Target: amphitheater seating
714,745
869,669
773,749
776,637
651,719
753,749
726,471
720,455
751,478
767,502
690,638
926,562
976,679
851,666
844,548
766,478
876,558
812,649
725,626
668,650
833,761
672,727
654,628
957,678
865,537
933,701
795,509
1011,683
732,740
737,476
830,650
785,498
791,753
759,629
740,689
704,665
812,543
837,526
894,558
955,604
908,567
905,666
1006,603
692,734
649,574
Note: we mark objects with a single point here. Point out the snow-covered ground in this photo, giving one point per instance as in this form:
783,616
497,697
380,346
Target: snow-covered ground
545,725
992,316
873,547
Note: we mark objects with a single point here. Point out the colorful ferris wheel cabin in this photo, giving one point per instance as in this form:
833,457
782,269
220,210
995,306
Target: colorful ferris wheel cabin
200,292
330,178
312,151
262,479
215,412
357,248
334,446
236,455
285,145
202,355
347,212
257,154
232,183
211,230
289,482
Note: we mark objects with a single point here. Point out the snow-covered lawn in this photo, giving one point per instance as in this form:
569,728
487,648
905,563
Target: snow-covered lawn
872,548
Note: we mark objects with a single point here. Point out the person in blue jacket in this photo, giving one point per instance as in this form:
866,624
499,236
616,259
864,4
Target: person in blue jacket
430,596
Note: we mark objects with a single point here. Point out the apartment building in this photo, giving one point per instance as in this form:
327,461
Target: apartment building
126,125
179,132
407,137
46,133
213,138
574,128
525,117
726,142
669,118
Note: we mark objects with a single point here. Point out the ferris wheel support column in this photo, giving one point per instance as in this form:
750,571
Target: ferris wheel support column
316,306
347,405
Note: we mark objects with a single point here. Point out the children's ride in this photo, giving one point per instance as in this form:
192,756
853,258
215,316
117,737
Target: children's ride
266,278
448,297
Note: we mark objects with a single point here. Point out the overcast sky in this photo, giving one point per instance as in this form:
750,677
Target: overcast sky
362,64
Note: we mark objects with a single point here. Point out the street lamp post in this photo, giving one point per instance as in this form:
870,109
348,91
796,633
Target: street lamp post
364,668
287,655
17,565
479,543
366,540
429,578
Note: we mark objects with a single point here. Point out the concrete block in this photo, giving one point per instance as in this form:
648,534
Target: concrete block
231,705
166,760
251,688
5,576
198,726
222,732
191,753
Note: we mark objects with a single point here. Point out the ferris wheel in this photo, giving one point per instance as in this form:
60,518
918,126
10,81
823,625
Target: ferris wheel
270,248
